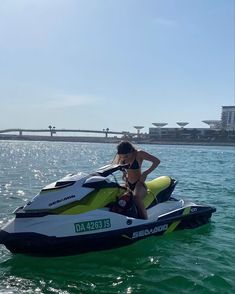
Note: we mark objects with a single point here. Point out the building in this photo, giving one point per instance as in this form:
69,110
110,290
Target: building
228,118
177,133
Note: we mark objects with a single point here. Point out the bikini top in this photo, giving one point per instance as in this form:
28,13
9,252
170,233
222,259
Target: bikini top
134,165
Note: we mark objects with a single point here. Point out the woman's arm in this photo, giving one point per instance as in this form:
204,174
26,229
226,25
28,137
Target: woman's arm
148,157
116,159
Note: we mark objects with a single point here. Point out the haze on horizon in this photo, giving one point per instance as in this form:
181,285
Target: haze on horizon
100,64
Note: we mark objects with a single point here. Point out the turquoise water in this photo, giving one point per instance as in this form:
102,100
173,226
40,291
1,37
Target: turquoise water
189,261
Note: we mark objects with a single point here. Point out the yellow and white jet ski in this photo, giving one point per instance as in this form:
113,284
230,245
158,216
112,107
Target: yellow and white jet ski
88,212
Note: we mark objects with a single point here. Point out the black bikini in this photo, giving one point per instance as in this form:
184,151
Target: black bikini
131,186
134,165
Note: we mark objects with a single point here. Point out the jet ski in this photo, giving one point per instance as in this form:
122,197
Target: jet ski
90,212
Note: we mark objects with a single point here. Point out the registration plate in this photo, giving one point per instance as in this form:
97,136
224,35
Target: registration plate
92,225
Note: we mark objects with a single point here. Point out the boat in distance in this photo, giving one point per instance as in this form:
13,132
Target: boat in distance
90,212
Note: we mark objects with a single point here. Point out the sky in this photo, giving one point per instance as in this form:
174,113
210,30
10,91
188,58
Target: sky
95,64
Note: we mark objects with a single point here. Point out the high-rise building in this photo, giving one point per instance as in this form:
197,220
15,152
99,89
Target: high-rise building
228,117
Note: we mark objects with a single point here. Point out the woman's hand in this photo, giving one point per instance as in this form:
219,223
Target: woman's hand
143,177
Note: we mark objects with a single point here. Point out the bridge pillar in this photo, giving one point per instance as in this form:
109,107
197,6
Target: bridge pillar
20,133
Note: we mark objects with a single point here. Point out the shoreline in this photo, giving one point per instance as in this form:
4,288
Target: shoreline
107,140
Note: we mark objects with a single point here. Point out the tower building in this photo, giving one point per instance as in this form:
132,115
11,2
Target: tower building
228,117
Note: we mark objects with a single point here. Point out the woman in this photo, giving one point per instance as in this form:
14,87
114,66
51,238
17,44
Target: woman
128,154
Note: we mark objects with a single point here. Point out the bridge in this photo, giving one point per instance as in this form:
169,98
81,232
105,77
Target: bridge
53,131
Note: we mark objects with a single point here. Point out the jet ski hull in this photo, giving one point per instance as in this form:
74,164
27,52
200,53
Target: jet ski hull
43,245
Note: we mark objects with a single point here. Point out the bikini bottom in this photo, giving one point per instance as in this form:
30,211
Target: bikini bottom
132,185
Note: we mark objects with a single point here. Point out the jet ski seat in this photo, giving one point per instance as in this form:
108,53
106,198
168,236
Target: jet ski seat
159,190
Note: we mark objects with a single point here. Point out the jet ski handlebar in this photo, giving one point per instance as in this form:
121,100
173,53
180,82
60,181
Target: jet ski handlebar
111,168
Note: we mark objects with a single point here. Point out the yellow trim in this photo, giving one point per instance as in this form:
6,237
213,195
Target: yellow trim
100,198
187,210
174,225
95,200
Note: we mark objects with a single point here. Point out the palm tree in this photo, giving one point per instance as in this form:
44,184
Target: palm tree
106,134
50,127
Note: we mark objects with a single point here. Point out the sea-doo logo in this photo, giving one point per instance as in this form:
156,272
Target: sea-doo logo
147,232
61,200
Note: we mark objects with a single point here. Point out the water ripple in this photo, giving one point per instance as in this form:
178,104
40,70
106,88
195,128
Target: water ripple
190,261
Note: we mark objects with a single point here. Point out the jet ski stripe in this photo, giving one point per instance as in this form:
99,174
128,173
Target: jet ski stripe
125,236
187,210
174,225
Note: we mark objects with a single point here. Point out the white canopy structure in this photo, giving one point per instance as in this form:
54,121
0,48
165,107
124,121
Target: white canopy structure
138,128
159,125
182,124
213,124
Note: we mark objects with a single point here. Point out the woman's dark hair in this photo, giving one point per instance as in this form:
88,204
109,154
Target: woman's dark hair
125,147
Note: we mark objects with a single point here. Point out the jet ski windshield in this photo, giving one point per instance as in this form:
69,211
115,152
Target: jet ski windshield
67,181
98,182
111,168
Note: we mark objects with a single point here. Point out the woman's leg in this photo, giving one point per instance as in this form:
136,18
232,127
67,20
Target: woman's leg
140,192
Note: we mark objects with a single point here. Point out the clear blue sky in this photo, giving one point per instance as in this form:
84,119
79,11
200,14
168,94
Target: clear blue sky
96,63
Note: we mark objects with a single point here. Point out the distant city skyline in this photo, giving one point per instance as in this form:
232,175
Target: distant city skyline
115,64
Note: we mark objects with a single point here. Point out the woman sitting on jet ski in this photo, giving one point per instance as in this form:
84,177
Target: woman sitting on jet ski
128,154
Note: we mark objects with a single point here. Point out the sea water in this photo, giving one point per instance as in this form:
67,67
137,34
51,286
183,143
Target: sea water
189,261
